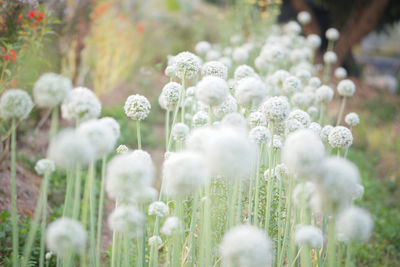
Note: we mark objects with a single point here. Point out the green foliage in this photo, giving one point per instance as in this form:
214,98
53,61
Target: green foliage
382,110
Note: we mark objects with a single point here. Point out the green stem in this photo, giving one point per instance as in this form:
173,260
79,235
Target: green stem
100,211
114,249
257,193
77,192
269,183
139,139
287,222
54,123
43,224
67,200
321,113
331,246
327,72
192,229
305,256
183,98
14,215
349,254
339,119
167,127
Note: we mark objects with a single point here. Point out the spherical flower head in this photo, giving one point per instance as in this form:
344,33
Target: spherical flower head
304,17
172,225
340,73
66,235
212,91
325,132
302,153
352,119
122,149
155,240
15,104
314,41
332,34
213,54
250,92
291,85
198,138
243,71
300,100
313,112
277,143
215,68
324,94
260,135
127,220
51,89
184,173
314,82
292,27
346,88
137,107
147,195
330,57
226,61
301,116
202,48
315,127
158,208
354,225
303,193
246,245
179,132
304,76
261,64
81,104
67,150
273,54
170,95
235,120
113,125
240,55
340,137
292,125
279,77
229,105
257,119
100,136
200,119
186,65
190,91
45,166
308,235
275,109
170,71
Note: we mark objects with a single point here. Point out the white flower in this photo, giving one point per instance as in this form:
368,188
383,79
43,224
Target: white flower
200,119
313,112
273,54
243,71
340,73
301,116
170,95
155,240
15,104
113,125
354,225
158,208
304,75
250,92
246,246
314,41
279,77
346,88
66,235
170,71
137,107
277,143
51,89
180,131
260,135
316,128
292,125
304,17
332,34
234,119
325,132
127,220
275,109
303,192
226,61
257,119
324,94
122,149
212,91
213,55
292,27
352,119
190,91
340,137
330,57
147,195
202,48
81,104
172,225
45,166
240,54
186,64
314,82
215,68
229,105
308,235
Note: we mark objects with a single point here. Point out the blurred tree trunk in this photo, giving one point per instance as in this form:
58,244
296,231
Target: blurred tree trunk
312,27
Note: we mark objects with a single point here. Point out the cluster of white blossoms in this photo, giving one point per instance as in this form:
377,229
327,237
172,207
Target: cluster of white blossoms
15,104
45,166
51,89
137,107
81,104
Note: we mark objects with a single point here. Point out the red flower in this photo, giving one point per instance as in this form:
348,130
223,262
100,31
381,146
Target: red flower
3,49
4,57
13,55
14,83
36,14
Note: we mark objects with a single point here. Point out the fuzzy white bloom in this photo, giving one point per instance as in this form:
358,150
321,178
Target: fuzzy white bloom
158,208
229,105
304,17
213,55
48,255
313,112
304,75
314,41
273,54
190,91
122,149
346,88
257,119
186,65
111,123
340,73
275,109
170,95
226,61
240,54
358,192
147,195
179,132
324,94
314,82
45,166
215,68
202,48
303,152
184,173
250,92
170,71
200,119
198,138
127,220
292,27
137,107
15,104
234,119
340,137
300,100
301,116
352,119
246,246
67,150
243,71
81,104
332,34
325,132
308,235
304,192
315,127
354,225
51,89
155,240
330,57
261,64
291,85
279,77
292,125
66,235
277,143
172,225
212,91
260,135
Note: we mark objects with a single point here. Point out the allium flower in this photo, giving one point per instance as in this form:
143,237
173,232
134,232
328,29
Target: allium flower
234,119
111,123
313,112
332,34
186,65
180,131
303,152
292,125
279,77
354,225
170,95
340,73
275,109
51,89
324,94
127,220
229,105
308,235
200,119
346,88
240,54
172,225
215,68
325,132
213,55
45,166
80,105
304,76
202,48
304,17
314,82
301,116
147,195
277,143
158,208
170,71
352,119
340,137
292,27
243,71
358,192
303,192
260,135
212,91
137,107
122,149
226,61
316,128
15,104
155,240
314,41
257,119
184,173
273,54
330,57
190,91
66,235
250,92
246,246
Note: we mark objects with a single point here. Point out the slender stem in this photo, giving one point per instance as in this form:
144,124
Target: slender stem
183,98
114,249
167,127
257,191
331,246
305,256
327,72
139,139
54,123
77,192
287,222
339,119
100,211
67,200
14,215
44,221
192,229
270,182
321,113
349,254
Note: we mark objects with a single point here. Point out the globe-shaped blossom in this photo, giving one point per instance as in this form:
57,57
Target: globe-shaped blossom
243,71
212,91
215,68
127,220
352,119
200,119
80,105
15,104
260,135
301,116
179,132
155,240
234,119
229,105
137,107
111,123
279,77
158,208
45,166
171,226
332,34
325,131
304,17
308,235
314,82
314,41
170,95
202,48
354,225
240,55
315,127
250,92
292,27
313,112
51,89
324,94
340,137
300,100
186,65
330,57
346,88
257,119
275,109
340,73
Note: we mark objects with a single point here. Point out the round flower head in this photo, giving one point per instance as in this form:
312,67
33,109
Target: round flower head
212,91
308,235
226,61
346,88
215,68
250,92
234,119
66,235
147,195
352,119
229,105
340,73
158,208
330,57
324,94
291,85
277,143
172,225
273,54
200,119
186,65
257,119
279,77
190,91
275,109
45,166
316,128
300,100
340,137
155,240
183,173
213,55
243,71
51,89
314,82
202,48
15,104
100,136
325,132
122,149
180,131
127,220
111,123
332,34
67,150
80,105
240,54
304,192
304,76
354,225
261,64
314,41
197,139
170,71
260,135
313,112
246,246
301,116
128,174
302,153
304,17
292,125
170,95
292,27
137,107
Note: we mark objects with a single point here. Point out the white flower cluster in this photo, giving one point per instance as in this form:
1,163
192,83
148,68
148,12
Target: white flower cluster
51,89
137,107
80,105
15,104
